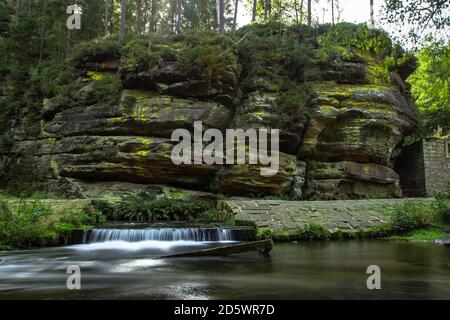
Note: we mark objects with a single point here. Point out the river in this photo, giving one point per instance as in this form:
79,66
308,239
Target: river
321,270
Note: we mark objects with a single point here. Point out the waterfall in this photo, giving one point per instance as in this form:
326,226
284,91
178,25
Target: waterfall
162,234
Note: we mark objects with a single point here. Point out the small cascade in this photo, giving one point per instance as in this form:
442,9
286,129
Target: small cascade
161,234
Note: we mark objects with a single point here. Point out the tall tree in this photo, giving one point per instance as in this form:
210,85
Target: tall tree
221,16
154,9
332,11
309,13
123,14
17,10
301,11
106,16
138,16
254,10
236,5
372,16
177,16
424,18
430,86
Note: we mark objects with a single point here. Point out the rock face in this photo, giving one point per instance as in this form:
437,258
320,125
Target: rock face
353,138
86,144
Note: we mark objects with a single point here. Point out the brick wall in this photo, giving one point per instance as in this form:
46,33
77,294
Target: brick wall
424,167
437,164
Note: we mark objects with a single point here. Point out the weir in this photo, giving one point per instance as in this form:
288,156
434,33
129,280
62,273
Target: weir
158,234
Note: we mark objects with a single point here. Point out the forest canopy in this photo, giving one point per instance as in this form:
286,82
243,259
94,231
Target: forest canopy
35,43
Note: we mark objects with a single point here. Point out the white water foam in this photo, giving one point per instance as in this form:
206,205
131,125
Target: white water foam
136,246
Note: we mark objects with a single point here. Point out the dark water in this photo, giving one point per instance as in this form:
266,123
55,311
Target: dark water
334,270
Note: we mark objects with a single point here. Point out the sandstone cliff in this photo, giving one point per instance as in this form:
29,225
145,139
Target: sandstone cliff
342,111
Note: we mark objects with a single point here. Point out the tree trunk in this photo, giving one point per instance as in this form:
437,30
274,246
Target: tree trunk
177,16
301,11
236,5
42,33
221,17
17,10
332,12
372,17
106,16
309,13
123,14
138,16
153,16
254,11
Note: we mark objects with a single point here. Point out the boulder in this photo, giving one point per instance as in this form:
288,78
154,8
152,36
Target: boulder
350,179
246,179
361,123
261,110
143,113
127,158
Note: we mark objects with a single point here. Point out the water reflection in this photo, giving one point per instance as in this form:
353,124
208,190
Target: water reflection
334,270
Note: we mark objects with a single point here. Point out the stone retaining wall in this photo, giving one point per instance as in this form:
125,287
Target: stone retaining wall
288,216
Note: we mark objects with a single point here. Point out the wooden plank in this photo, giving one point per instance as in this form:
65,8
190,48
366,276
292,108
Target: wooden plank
263,246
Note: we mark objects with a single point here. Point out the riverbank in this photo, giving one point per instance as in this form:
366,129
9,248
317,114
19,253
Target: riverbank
28,223
32,223
407,219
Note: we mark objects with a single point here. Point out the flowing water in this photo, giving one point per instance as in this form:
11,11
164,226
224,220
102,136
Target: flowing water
127,265
160,234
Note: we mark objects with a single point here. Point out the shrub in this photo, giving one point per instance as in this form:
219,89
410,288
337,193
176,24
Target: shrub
136,208
313,231
216,215
29,224
95,51
410,216
23,225
442,204
137,56
264,233
206,54
108,86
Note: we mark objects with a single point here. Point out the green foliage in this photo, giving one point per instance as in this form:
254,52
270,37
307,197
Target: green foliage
196,54
357,36
56,78
136,208
21,227
32,223
430,87
294,104
442,204
281,236
206,54
107,87
264,233
211,215
410,216
422,17
138,56
244,223
313,231
286,52
95,51
422,235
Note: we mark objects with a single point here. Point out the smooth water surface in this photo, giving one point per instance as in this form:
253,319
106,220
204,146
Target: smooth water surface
329,270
